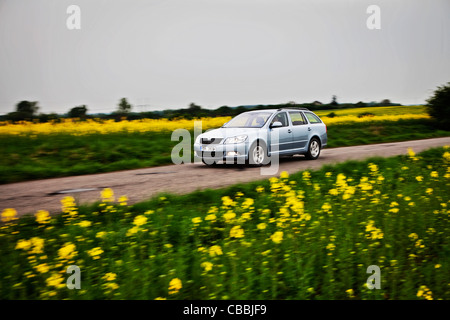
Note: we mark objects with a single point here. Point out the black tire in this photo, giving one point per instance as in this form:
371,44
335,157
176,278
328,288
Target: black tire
209,164
313,149
257,155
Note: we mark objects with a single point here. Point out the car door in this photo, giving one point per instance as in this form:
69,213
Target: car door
300,132
284,133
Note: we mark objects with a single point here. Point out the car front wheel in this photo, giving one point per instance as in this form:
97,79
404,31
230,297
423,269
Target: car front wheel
257,155
313,150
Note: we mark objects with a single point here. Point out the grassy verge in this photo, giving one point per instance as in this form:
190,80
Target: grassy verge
310,235
59,155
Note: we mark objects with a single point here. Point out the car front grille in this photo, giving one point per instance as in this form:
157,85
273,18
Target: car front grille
211,140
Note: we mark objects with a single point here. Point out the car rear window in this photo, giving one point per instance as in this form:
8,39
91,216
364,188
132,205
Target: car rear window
297,118
312,117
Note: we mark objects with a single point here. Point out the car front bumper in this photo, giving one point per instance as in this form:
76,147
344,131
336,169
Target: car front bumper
228,153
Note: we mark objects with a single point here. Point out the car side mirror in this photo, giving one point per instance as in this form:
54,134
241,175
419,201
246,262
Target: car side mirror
276,124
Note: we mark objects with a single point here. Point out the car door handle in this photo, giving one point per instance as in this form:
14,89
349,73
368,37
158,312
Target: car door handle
289,130
309,129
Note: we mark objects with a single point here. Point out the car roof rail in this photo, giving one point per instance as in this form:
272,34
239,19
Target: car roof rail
294,108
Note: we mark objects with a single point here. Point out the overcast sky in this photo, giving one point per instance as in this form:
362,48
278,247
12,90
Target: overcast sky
169,53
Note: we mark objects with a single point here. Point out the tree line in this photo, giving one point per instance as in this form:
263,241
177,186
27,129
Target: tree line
28,111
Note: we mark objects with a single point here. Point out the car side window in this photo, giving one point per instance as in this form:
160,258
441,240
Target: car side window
312,118
281,117
297,118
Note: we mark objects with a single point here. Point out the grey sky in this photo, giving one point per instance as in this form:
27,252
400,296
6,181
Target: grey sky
168,53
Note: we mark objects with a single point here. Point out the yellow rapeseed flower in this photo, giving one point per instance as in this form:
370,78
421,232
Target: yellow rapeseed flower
123,200
42,268
424,293
333,192
373,232
326,207
67,252
101,234
132,231
196,220
175,285
9,214
110,276
110,286
55,280
350,293
446,156
95,253
85,223
227,201
261,226
42,216
413,236
23,244
107,195
284,175
207,266
37,244
236,232
140,220
215,251
277,237
229,216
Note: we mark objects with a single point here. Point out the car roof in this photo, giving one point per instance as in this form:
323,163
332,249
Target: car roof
281,109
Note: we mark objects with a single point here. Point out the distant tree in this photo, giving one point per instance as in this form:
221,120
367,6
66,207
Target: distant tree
334,101
194,107
124,106
78,112
223,111
25,110
46,117
27,107
385,102
438,106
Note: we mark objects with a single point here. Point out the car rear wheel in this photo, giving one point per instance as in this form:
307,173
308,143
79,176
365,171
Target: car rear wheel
313,150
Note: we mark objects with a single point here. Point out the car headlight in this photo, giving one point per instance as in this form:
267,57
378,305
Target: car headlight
236,139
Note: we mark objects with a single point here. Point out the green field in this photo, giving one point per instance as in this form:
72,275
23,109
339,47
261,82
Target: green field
310,235
58,155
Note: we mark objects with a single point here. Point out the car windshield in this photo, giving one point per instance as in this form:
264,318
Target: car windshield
248,120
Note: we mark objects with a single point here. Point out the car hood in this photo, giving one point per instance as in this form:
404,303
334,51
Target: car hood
228,132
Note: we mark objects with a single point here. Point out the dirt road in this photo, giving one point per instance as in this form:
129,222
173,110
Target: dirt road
141,184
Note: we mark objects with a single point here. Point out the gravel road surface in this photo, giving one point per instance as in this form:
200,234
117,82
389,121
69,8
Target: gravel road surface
141,184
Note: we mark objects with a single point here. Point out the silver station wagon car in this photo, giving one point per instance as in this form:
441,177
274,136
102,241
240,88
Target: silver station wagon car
253,137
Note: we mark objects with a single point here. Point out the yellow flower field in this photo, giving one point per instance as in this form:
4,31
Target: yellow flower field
98,126
307,235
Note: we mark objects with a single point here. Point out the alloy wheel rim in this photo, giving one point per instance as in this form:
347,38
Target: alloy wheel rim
258,155
314,148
